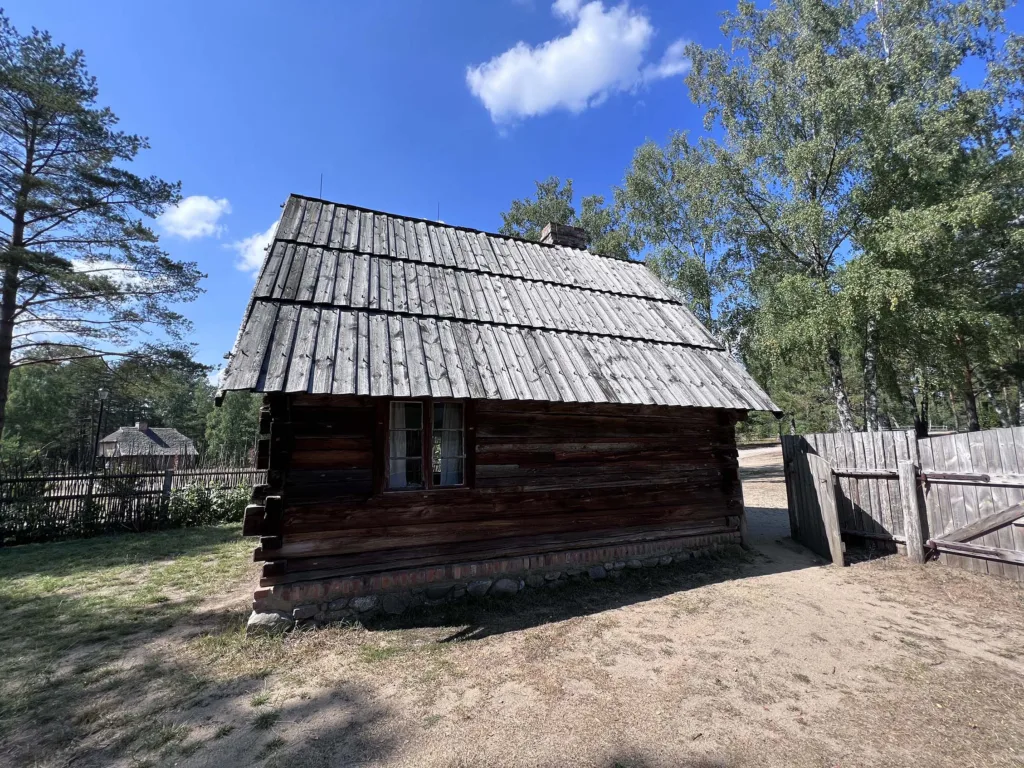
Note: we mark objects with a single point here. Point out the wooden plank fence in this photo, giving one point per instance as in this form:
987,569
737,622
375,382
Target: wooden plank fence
950,496
38,506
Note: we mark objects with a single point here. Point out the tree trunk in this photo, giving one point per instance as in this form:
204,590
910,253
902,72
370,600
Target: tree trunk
9,289
871,423
1002,413
1020,402
952,409
8,304
970,400
844,410
923,423
917,399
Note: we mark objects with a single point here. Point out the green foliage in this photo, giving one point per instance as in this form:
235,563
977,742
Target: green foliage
52,408
231,429
853,205
197,505
674,204
83,276
553,203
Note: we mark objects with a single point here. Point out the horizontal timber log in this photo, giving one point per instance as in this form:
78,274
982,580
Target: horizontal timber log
461,505
542,475
369,562
396,536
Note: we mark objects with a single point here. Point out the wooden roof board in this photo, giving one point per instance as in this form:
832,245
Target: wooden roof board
353,301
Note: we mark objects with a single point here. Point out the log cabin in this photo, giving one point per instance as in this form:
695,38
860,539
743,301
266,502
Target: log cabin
449,411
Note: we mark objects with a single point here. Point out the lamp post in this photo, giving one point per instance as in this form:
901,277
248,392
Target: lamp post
102,394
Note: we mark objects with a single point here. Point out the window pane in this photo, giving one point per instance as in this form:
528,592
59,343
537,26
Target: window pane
405,445
406,415
447,445
406,473
448,472
411,442
447,416
447,449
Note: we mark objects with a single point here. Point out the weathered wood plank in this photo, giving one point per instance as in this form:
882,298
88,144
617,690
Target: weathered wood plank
983,525
824,481
911,511
1012,556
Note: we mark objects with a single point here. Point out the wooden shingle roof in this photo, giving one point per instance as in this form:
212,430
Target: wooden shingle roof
353,301
147,441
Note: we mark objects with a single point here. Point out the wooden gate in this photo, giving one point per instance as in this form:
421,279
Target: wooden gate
958,496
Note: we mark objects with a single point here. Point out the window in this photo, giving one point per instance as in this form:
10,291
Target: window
448,453
426,445
406,445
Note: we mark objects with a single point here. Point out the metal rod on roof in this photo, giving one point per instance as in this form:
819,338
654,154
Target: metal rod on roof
321,186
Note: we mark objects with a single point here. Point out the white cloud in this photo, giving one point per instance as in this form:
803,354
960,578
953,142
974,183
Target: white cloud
673,62
116,273
604,53
195,216
252,249
570,9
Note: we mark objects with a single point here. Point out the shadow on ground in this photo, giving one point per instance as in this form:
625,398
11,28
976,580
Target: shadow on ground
562,600
767,472
98,669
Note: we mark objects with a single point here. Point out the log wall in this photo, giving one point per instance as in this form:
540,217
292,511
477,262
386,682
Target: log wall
548,477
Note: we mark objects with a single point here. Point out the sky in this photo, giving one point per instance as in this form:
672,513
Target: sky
417,108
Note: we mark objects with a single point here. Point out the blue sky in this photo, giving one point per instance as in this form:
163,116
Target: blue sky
401,106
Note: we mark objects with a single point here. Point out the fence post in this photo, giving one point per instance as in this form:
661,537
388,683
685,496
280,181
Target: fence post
911,511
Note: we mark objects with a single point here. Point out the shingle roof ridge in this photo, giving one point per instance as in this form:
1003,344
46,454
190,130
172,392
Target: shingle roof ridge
436,223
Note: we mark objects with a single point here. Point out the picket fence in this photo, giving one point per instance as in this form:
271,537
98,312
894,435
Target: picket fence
45,505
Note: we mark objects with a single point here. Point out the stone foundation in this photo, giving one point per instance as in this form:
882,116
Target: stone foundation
359,598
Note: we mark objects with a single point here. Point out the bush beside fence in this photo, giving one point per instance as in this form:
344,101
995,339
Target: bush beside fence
46,505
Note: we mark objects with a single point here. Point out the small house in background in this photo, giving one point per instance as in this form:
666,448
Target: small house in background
449,411
145,446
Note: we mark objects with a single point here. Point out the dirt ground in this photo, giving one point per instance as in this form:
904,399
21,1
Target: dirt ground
767,658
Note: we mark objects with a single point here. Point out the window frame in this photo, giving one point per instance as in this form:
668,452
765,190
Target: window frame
383,447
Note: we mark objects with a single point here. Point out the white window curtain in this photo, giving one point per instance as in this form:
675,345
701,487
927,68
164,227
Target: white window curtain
451,444
397,446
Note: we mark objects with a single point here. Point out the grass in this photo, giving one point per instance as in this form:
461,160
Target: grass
266,719
77,613
375,653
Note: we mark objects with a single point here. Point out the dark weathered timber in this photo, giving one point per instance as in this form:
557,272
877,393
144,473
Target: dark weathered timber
540,476
252,522
865,473
306,569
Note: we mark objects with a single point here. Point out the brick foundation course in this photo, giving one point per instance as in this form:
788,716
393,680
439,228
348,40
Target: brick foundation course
358,598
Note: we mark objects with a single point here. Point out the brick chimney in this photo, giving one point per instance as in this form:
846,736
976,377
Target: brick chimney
142,426
563,234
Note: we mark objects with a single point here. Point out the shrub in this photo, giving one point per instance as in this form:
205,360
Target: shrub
196,505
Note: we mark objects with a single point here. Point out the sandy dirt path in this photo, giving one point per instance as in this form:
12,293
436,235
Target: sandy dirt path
767,659
761,658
